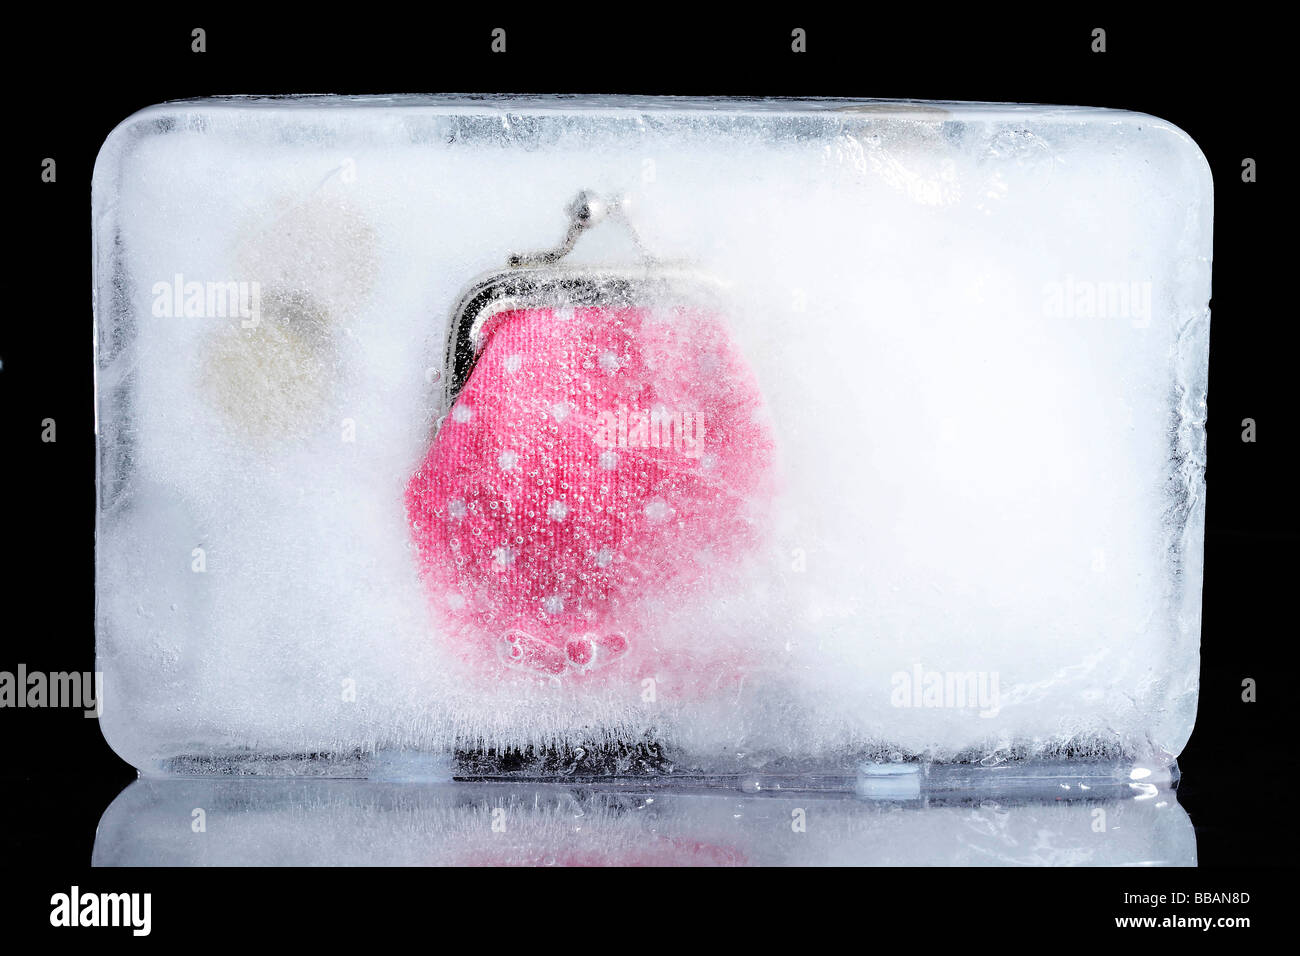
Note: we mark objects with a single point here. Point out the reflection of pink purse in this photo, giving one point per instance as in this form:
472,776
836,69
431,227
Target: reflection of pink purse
602,463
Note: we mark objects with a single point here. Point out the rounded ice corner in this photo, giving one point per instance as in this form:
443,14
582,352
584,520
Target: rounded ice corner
116,728
1181,142
129,131
114,738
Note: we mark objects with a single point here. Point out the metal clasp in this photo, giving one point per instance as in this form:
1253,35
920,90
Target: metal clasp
586,210
528,282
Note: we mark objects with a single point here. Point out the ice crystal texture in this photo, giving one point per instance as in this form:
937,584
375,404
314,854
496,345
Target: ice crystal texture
978,336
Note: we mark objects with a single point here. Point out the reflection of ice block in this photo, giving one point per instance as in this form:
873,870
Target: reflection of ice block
216,822
979,336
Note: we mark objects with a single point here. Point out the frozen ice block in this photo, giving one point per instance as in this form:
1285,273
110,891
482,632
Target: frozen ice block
826,431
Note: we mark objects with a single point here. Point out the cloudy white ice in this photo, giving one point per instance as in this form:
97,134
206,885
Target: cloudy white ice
980,333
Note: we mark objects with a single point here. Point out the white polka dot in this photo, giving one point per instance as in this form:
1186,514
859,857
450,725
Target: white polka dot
658,510
513,362
553,604
708,462
503,557
565,315
557,511
456,508
609,362
462,412
608,460
604,557
507,460
560,411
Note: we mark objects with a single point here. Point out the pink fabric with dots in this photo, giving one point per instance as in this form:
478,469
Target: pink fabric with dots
599,466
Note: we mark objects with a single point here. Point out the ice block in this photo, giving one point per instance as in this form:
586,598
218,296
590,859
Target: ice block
871,433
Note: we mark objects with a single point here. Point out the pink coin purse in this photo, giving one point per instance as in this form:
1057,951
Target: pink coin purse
603,455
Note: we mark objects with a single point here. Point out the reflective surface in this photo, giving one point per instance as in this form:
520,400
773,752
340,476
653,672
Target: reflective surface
888,819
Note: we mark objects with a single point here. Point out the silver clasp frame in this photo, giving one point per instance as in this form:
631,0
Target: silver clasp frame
586,210
534,280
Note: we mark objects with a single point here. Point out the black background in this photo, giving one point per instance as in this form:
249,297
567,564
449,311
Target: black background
1219,80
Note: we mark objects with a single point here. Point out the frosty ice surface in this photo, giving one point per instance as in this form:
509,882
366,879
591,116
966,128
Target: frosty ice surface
980,337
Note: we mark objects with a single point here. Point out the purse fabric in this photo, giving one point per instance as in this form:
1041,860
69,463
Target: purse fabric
598,462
